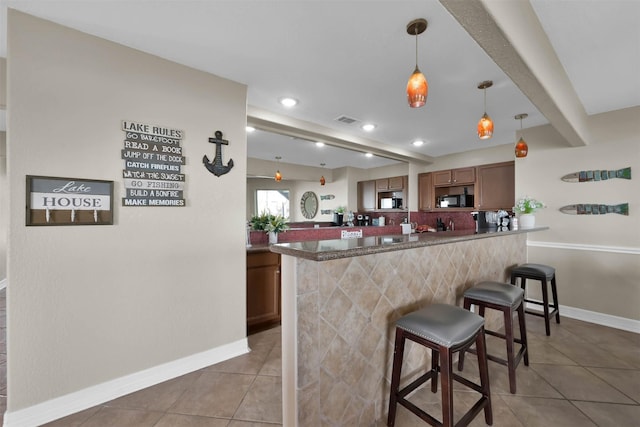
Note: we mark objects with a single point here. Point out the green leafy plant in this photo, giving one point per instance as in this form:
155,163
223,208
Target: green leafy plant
528,205
340,209
269,223
259,222
276,224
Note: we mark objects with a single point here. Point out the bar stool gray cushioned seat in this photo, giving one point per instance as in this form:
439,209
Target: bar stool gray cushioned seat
445,329
507,299
544,274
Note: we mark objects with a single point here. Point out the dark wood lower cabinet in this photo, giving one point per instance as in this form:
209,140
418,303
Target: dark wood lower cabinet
263,291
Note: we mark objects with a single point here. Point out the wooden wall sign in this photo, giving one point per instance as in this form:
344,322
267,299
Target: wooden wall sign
152,165
68,201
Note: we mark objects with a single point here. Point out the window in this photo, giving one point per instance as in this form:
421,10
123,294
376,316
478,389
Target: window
276,202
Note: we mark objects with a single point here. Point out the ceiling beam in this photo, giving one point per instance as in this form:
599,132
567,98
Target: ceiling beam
511,34
272,122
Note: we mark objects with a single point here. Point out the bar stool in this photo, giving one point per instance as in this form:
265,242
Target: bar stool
544,274
445,329
507,299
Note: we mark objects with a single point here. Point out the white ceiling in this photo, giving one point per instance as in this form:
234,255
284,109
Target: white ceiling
353,58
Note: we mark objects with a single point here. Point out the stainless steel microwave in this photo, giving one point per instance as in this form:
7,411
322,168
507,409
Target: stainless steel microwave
391,203
456,201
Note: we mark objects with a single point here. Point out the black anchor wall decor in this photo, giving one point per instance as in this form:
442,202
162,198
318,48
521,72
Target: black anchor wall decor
216,167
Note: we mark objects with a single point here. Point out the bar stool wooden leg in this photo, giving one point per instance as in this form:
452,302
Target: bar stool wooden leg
554,292
523,332
398,354
446,361
483,364
511,365
545,306
435,363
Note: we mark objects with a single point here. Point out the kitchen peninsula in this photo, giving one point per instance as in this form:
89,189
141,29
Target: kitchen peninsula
340,299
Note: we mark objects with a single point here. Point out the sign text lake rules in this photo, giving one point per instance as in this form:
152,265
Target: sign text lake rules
152,165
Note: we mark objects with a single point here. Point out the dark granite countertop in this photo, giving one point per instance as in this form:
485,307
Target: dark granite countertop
323,250
256,248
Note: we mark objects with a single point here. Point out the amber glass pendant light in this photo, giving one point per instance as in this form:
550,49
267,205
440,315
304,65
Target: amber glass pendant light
485,125
278,176
417,87
322,180
521,146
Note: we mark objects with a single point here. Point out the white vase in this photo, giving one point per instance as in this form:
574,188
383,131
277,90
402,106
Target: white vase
527,221
273,238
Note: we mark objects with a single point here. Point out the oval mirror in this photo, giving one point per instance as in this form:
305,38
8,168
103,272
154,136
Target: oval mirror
309,204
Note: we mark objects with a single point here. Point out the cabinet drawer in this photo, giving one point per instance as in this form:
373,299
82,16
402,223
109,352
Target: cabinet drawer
262,258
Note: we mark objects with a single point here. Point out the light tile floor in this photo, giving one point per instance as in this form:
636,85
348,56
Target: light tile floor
583,375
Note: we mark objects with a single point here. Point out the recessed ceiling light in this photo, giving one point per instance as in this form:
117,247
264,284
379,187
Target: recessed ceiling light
368,127
368,154
250,129
418,142
288,102
319,144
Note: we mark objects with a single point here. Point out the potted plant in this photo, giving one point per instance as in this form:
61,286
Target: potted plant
526,208
275,225
338,215
270,224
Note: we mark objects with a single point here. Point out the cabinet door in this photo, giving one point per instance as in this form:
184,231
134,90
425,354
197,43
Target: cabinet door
263,291
367,196
382,184
442,178
425,192
396,183
496,186
463,176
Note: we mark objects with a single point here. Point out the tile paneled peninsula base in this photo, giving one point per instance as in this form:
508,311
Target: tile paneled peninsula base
338,319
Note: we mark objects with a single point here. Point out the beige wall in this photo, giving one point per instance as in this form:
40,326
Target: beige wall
4,205
91,304
3,174
596,256
3,83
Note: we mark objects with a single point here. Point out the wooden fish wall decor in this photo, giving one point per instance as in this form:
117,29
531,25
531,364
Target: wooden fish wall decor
597,175
595,209
327,197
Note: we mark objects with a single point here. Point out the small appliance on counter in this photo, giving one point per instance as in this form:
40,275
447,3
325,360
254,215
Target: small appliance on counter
489,220
485,220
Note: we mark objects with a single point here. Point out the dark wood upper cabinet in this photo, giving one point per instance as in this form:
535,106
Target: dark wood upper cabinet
367,196
496,186
426,199
450,177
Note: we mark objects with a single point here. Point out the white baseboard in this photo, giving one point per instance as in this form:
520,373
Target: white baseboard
609,320
3,284
95,395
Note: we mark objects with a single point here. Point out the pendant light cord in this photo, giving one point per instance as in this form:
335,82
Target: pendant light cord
485,101
416,34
